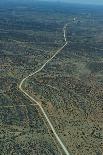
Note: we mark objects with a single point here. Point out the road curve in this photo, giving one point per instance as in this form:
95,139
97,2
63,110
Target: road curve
38,104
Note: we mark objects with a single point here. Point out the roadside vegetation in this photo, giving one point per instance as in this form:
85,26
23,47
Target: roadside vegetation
70,87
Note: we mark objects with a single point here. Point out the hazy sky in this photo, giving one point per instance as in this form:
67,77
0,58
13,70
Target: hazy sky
81,1
100,2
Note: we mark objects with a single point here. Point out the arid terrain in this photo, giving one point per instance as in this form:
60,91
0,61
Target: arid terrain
69,87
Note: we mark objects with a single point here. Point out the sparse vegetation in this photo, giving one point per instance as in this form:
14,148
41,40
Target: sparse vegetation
70,87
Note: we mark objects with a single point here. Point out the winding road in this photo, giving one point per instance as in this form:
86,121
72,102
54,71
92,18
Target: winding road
39,104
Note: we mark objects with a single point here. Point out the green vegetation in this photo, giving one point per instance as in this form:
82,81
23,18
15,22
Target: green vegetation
70,87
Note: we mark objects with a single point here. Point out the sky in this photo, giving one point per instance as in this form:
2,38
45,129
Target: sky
99,2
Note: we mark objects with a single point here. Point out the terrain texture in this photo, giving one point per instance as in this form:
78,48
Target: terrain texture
69,88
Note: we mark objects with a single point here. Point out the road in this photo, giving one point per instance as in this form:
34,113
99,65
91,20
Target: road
39,104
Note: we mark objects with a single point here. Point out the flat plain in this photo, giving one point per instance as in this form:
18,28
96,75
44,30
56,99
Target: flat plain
69,88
